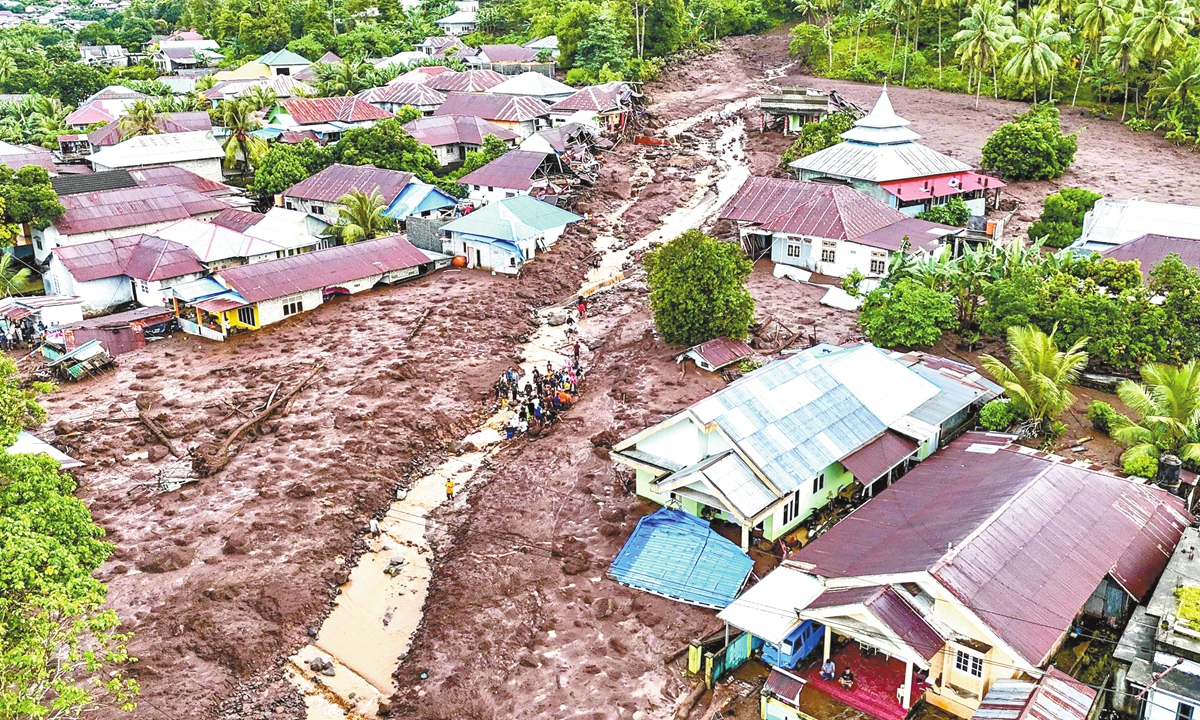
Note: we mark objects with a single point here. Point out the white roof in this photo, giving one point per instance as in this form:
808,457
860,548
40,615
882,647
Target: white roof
768,609
196,44
550,42
458,18
160,149
283,228
404,58
10,149
28,443
214,242
889,389
533,84
1116,222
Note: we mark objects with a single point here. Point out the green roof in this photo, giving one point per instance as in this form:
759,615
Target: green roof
284,57
513,219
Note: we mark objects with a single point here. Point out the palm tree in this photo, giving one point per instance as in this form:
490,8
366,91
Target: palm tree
1160,25
1179,80
985,30
241,145
349,77
7,66
1034,58
1168,403
13,277
1040,377
938,7
260,97
361,217
1093,18
1120,50
142,118
47,119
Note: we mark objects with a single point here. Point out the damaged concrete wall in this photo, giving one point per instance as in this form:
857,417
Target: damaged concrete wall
426,233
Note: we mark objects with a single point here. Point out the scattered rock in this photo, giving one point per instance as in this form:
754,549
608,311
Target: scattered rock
154,453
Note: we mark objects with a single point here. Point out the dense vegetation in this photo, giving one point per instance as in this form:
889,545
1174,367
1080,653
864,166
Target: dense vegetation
1031,147
698,289
1061,222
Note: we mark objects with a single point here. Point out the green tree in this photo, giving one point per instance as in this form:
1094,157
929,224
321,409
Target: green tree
1094,18
953,212
1040,376
29,198
1061,221
572,26
806,42
285,165
906,314
1034,58
72,82
259,97
1161,25
349,77
985,31
242,147
605,44
360,216
1178,81
1121,51
1031,147
1167,403
698,289
817,136
387,145
1178,285
141,118
492,148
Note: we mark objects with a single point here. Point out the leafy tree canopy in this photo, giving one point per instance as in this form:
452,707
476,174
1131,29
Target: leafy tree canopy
1031,147
698,289
906,314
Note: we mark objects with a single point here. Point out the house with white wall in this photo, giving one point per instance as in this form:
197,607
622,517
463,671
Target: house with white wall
318,195
516,172
197,151
453,136
504,235
109,273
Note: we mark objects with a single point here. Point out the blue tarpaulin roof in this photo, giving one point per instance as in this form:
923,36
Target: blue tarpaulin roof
677,555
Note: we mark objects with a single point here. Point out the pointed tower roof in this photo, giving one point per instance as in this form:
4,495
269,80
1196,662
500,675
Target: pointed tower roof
882,126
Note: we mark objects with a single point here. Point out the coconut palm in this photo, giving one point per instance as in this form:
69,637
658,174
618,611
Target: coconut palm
349,77
985,30
1094,18
141,118
938,7
1179,80
46,120
361,217
1167,403
241,145
260,97
1121,51
1033,57
1160,25
7,66
1040,376
14,277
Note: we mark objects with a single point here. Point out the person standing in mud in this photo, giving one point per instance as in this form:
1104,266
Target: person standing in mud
449,488
581,306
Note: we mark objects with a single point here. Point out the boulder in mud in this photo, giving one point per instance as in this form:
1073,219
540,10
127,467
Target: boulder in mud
172,558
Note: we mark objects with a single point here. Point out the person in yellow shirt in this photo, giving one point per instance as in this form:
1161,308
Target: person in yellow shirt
450,489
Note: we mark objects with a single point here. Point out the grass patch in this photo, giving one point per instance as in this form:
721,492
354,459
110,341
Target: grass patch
1189,605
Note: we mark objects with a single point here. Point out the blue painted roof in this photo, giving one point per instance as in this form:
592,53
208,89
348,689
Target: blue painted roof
677,555
512,219
417,198
198,289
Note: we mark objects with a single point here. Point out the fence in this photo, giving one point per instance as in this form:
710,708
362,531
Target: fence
193,328
712,661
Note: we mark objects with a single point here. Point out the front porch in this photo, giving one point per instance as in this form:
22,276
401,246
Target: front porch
879,681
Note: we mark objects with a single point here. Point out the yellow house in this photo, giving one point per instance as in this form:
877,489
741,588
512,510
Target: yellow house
248,71
972,568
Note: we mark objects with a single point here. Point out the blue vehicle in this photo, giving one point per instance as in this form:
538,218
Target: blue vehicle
795,647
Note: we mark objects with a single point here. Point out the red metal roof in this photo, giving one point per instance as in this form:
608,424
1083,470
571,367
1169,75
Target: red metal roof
175,176
783,684
110,134
313,111
291,137
143,257
513,170
322,268
891,609
926,188
604,98
141,315
822,210
337,180
239,220
453,129
44,160
407,93
872,460
722,351
465,81
131,207
502,108
1011,534
1152,249
508,53
217,305
422,74
89,114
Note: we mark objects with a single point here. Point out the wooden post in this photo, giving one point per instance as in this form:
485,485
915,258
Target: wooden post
198,320
906,701
828,642
175,304
745,537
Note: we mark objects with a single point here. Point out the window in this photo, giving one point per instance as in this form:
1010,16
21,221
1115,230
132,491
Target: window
971,664
293,305
490,188
828,251
794,249
288,204
878,263
246,316
818,483
1185,712
792,510
318,209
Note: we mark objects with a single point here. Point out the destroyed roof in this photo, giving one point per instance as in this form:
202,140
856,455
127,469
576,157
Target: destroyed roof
514,170
465,81
415,94
110,134
239,220
796,207
143,257
1056,696
322,268
606,98
453,129
160,149
722,351
313,111
336,180
983,516
131,207
508,53
512,219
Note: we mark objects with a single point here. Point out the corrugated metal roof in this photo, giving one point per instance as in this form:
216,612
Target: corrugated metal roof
758,612
89,114
322,268
120,319
499,108
213,243
159,149
131,207
722,351
474,81
820,210
871,461
878,163
533,84
180,177
92,182
508,53
961,385
336,180
921,235
514,170
885,603
169,123
784,685
727,479
417,198
453,129
144,257
414,94
512,219
606,98
1011,534
1152,249
239,220
314,111
421,74
1057,696
677,555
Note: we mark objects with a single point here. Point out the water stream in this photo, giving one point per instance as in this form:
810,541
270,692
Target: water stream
376,614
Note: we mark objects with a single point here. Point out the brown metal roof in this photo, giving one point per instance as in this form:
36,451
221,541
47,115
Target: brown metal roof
465,81
798,207
1011,534
336,180
892,610
110,134
722,351
1057,696
239,220
179,177
502,108
313,111
322,268
783,684
508,53
891,237
143,257
131,207
44,160
217,305
604,98
92,182
453,129
1152,249
871,461
514,170
407,93
142,315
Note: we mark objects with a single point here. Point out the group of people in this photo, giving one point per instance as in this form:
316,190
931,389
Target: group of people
537,398
829,673
25,333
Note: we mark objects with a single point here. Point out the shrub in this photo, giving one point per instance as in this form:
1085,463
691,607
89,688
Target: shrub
817,136
852,281
955,212
1139,465
698,289
807,41
1101,415
1061,221
907,314
1031,147
998,415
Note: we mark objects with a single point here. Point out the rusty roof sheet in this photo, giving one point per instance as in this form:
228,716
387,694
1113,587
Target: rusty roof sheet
514,169
44,160
886,604
180,177
336,180
503,108
1151,249
141,315
1057,696
239,220
408,93
921,234
313,111
322,268
508,53
465,81
144,257
822,210
453,129
606,98
785,685
1010,533
722,351
131,207
110,134
883,453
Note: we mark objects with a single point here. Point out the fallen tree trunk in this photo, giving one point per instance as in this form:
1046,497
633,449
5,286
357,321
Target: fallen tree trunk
209,461
157,432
